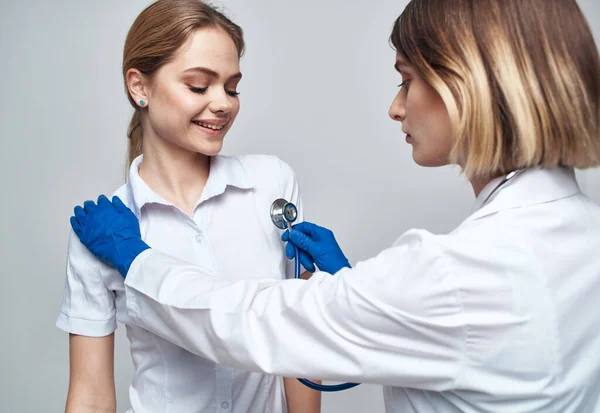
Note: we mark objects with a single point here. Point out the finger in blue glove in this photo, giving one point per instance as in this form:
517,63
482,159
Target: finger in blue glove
80,214
103,201
307,262
290,252
76,227
119,205
89,206
314,231
302,241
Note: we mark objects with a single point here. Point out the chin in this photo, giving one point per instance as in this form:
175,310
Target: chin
211,149
428,161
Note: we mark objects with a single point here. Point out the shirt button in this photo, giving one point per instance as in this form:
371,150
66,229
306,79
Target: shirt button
199,238
225,405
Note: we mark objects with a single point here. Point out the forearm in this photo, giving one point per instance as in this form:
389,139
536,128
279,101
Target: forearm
91,384
301,399
244,324
90,404
86,397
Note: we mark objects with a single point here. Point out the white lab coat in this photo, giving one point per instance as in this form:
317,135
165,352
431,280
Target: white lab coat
498,316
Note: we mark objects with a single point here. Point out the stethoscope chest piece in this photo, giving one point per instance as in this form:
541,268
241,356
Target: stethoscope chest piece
283,213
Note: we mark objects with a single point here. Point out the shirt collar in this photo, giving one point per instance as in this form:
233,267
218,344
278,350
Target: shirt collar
224,171
533,186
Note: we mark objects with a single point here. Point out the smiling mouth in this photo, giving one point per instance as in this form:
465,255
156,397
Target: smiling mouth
209,126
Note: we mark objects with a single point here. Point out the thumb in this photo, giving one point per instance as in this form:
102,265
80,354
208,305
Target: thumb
290,251
302,242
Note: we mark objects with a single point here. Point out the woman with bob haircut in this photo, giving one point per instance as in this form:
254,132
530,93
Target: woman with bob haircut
499,315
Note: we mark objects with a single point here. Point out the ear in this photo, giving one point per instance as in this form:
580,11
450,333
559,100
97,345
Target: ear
137,85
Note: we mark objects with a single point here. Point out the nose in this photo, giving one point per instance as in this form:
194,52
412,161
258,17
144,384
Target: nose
220,103
398,108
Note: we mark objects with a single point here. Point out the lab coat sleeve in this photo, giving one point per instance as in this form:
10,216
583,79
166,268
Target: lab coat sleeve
395,319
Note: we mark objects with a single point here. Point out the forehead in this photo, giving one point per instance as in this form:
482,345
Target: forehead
212,48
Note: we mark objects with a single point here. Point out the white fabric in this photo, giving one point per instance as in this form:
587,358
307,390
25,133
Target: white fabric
498,316
229,234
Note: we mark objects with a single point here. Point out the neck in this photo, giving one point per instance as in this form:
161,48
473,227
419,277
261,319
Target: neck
176,174
478,184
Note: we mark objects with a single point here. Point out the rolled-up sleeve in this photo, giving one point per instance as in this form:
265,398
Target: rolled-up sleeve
88,306
395,319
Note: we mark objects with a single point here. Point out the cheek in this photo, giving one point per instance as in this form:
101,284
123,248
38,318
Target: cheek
428,114
171,112
176,102
441,124
235,108
416,113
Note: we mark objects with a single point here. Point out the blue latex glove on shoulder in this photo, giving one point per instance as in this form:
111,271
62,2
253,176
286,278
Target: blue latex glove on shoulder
317,245
110,231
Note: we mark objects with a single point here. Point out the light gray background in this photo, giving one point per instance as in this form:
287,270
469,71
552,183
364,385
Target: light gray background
318,80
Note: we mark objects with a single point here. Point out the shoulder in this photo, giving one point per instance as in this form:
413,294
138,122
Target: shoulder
474,274
263,164
125,194
465,250
266,170
465,260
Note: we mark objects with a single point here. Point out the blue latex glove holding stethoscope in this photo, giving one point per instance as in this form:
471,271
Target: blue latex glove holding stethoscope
308,243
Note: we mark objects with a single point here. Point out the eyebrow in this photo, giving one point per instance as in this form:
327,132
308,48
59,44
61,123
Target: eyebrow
400,65
209,72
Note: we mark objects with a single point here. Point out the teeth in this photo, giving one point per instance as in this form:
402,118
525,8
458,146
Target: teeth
213,127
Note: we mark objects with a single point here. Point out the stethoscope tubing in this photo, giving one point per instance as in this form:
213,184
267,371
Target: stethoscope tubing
308,383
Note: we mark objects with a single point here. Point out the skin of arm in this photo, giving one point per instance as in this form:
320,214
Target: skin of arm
91,383
306,275
301,399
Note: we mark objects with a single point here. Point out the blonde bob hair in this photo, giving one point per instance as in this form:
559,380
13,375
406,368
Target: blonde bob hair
520,80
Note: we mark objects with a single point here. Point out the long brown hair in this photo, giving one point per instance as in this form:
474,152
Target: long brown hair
154,38
520,79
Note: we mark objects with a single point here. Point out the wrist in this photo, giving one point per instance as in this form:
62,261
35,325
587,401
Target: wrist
130,249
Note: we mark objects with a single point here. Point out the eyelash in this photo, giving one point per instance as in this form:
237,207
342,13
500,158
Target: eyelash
403,83
202,90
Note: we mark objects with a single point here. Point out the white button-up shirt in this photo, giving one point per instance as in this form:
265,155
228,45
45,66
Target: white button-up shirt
500,315
229,234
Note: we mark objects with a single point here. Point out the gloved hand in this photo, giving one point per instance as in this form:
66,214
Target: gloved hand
318,245
110,231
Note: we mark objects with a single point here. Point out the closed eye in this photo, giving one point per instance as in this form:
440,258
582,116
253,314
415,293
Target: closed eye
199,90
202,90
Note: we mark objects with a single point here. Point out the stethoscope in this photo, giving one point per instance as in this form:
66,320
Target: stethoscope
506,178
283,214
